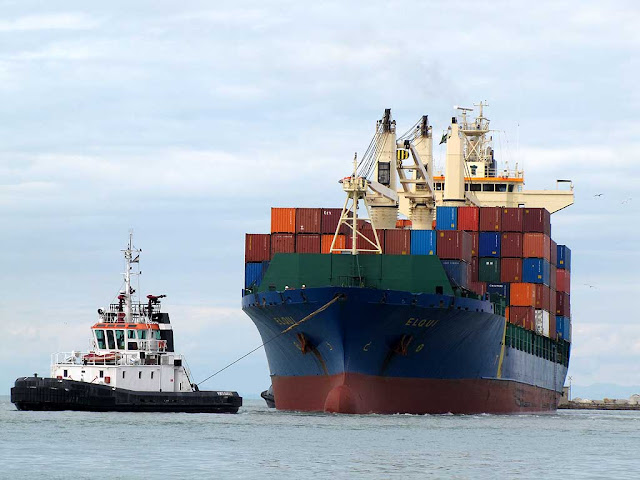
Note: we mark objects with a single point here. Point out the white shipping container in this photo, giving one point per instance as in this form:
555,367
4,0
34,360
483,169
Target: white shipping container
542,322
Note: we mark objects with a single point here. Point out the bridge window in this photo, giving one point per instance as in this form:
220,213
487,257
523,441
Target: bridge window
100,339
510,187
488,187
501,187
476,187
438,186
110,340
120,339
474,169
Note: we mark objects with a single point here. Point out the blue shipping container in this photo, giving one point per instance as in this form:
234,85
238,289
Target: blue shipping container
563,328
447,218
253,273
457,272
535,270
423,242
489,244
564,257
499,288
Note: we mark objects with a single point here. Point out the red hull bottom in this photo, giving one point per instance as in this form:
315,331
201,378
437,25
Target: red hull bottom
358,393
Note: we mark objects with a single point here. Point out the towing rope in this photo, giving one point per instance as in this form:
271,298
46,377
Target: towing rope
288,329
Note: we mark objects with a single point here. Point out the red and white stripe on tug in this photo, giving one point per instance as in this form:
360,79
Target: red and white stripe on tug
132,345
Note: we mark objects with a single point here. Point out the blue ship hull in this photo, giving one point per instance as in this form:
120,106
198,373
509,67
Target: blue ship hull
391,351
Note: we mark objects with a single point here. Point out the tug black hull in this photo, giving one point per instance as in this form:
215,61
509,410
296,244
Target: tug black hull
51,394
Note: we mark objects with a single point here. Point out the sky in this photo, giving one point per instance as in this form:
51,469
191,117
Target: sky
186,121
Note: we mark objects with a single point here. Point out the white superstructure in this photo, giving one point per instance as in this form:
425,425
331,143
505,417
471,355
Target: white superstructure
132,345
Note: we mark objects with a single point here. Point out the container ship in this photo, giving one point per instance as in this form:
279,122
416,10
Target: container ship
428,292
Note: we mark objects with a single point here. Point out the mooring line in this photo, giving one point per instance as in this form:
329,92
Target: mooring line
288,329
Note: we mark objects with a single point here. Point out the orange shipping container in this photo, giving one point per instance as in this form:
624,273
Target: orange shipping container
283,220
536,245
522,294
341,242
403,223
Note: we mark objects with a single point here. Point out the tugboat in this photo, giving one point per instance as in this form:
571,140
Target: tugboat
131,367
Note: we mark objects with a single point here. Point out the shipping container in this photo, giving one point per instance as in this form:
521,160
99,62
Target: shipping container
361,243
457,272
489,244
552,326
564,257
253,273
257,247
500,289
454,245
468,218
552,276
563,280
341,242
475,243
446,218
511,245
510,270
283,243
535,270
330,219
490,219
553,252
536,220
563,328
474,265
542,322
423,242
543,297
489,269
308,220
397,242
308,243
511,220
552,301
522,294
536,245
522,316
479,288
563,304
283,220
403,223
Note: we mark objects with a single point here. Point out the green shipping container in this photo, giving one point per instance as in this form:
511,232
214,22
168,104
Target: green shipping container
489,270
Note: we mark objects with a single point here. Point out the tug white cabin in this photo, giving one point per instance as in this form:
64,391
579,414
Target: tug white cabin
131,345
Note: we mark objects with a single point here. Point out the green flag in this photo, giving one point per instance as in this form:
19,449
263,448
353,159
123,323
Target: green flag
443,139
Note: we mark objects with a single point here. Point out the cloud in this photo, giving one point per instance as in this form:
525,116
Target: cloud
54,21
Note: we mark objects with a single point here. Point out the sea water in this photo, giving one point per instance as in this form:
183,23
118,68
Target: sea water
262,443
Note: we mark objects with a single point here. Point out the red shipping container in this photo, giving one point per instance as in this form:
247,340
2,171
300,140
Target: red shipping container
522,294
523,316
468,218
454,245
361,243
511,245
397,242
563,280
511,220
536,220
283,243
552,303
552,277
490,219
341,242
563,304
552,326
543,295
308,220
257,247
330,219
283,220
553,255
510,270
475,267
536,245
308,243
479,288
475,243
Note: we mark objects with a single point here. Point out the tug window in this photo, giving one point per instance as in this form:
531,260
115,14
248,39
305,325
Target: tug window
100,339
156,334
131,334
142,334
110,341
120,339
